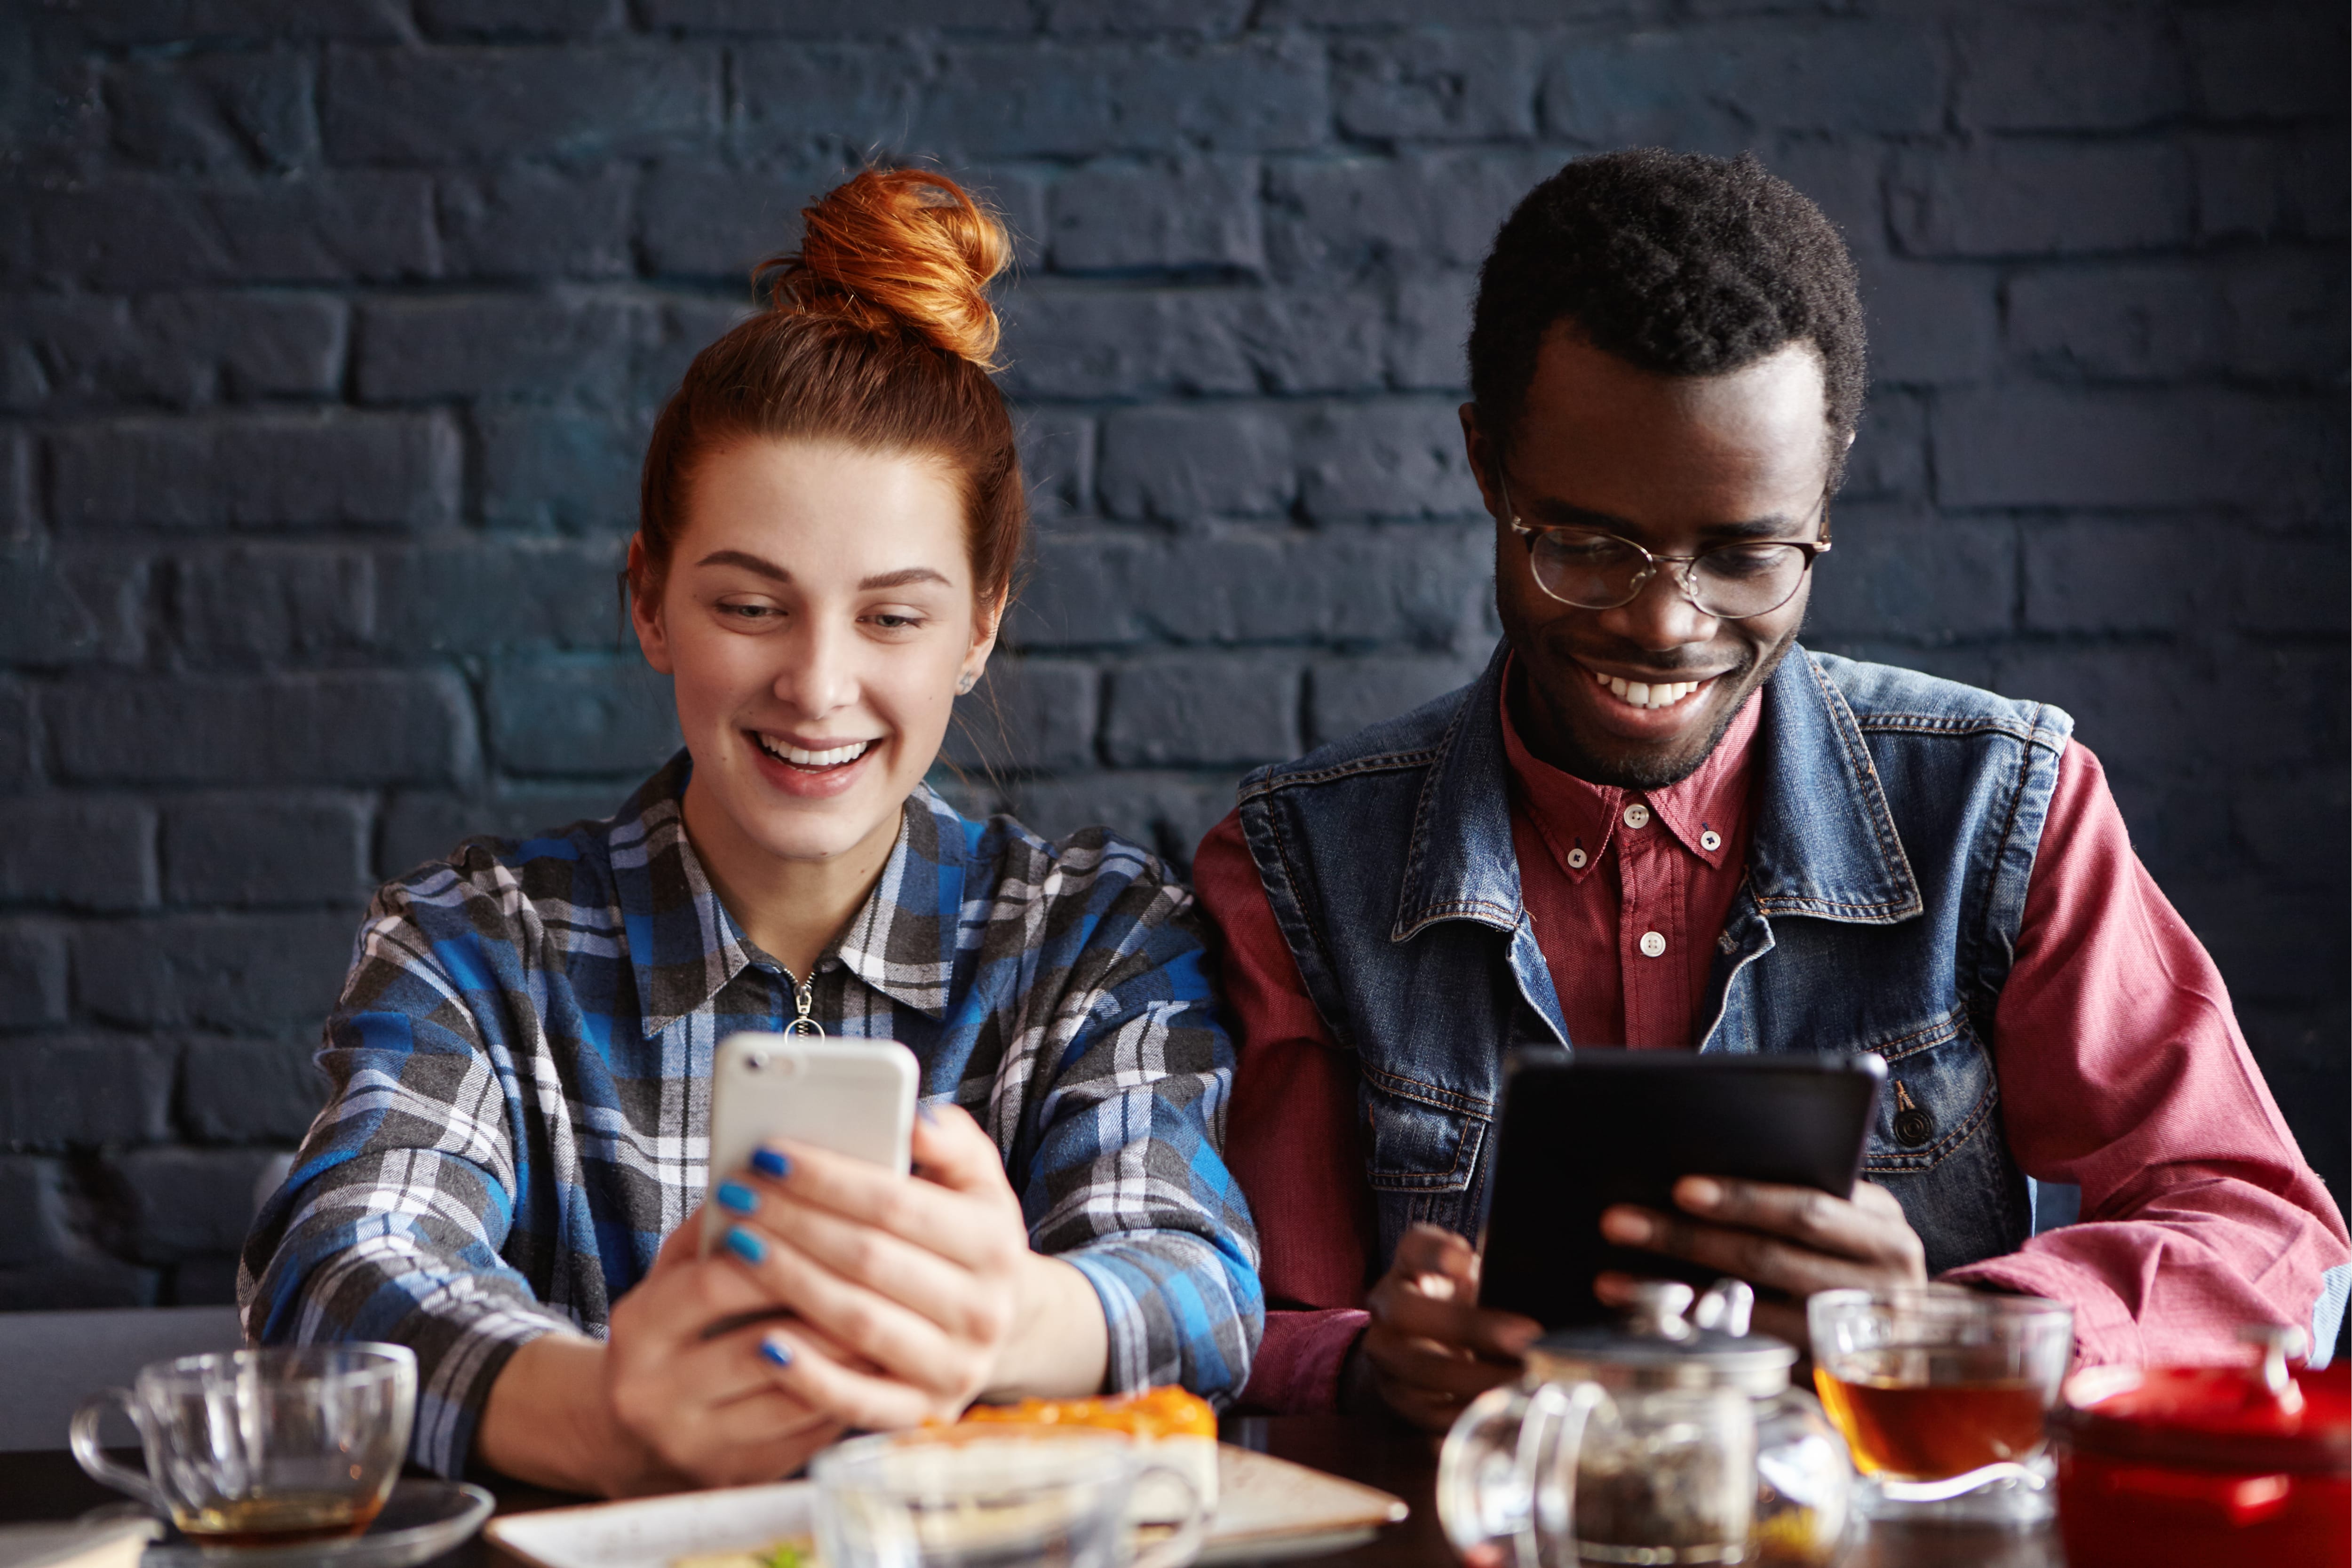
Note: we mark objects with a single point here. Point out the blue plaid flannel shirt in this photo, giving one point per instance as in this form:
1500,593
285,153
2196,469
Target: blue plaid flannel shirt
520,1065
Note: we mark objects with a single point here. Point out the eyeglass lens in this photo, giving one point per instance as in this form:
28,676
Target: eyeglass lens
1598,572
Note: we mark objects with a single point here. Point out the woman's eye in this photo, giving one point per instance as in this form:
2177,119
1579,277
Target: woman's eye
748,612
890,622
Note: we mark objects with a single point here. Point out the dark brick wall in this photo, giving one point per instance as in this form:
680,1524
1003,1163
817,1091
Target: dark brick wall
329,334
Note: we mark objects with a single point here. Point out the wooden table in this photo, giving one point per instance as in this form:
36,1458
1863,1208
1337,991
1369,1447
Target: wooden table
45,1486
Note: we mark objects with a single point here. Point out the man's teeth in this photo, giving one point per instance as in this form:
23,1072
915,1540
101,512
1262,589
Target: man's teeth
1665,695
789,753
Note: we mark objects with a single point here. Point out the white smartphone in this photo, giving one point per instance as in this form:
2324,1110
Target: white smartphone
853,1097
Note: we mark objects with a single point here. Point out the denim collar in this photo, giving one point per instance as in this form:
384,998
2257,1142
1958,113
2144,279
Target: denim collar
1822,839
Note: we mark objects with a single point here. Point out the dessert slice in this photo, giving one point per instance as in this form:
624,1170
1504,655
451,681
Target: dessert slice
1172,1426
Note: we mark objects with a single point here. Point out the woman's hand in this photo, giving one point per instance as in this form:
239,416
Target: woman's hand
929,1279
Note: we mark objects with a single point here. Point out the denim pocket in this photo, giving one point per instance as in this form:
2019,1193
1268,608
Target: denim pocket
1940,1093
1422,1139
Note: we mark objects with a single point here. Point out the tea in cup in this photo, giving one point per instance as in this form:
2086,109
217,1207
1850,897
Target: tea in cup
265,1448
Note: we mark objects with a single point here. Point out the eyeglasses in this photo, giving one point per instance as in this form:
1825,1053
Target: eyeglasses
1732,582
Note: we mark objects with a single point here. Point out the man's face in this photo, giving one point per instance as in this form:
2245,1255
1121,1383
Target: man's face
1675,464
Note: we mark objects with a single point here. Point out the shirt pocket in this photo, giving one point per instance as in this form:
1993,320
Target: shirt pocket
1422,1139
1941,1091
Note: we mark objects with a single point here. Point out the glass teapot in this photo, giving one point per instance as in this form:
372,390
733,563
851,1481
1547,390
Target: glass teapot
1672,1439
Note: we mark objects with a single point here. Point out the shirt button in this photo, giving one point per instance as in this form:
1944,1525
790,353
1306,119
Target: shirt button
1576,859
1637,816
1710,841
1653,944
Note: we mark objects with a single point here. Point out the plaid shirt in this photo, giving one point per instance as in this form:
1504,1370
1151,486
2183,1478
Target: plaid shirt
521,1059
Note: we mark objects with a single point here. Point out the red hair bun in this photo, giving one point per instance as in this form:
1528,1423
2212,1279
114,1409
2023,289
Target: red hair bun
899,250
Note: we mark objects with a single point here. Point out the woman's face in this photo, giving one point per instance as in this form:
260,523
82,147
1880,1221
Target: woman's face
816,619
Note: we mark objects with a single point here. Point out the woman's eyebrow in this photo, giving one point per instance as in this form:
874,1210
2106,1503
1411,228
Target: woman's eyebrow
903,576
769,569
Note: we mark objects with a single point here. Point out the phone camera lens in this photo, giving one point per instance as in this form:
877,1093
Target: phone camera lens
754,1062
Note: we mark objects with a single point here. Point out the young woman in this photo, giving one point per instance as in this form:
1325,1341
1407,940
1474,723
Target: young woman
506,1174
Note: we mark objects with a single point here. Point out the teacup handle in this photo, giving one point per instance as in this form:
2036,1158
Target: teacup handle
92,1458
1185,1544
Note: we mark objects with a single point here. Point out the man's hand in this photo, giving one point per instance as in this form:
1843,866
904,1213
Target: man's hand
1788,1242
1431,1349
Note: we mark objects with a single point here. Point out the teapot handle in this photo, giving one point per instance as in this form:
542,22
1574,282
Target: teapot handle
1507,1471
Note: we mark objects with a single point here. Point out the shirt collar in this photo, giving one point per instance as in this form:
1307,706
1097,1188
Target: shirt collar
1570,814
683,946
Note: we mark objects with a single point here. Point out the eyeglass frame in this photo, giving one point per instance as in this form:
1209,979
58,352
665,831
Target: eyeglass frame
1651,561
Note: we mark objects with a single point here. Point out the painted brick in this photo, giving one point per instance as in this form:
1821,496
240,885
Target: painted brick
2028,71
83,1090
570,469
1462,14
424,827
1057,461
1888,460
189,1202
1167,813
249,1092
1414,211
611,717
504,20
2028,198
1929,325
1428,347
1709,87
181,21
534,347
2044,447
676,328
1029,715
145,232
2158,321
1048,100
2286,315
1204,712
2293,586
2147,711
1437,84
74,1284
807,100
484,105
534,224
2295,828
822,18
44,622
214,113
34,1226
238,605
1396,459
85,854
72,350
278,470
2274,965
697,219
2091,575
1085,341
1211,18
249,972
1901,573
1344,695
20,511
2271,187
366,727
17,764
247,851
1186,462
1122,216
483,597
32,975
2267,62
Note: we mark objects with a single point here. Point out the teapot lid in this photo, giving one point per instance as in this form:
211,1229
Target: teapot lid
2267,1416
1658,1346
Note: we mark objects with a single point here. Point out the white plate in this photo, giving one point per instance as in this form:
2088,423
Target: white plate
1267,1508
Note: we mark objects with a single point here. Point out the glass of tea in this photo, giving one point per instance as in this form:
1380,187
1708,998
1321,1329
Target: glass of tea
267,1447
1941,1392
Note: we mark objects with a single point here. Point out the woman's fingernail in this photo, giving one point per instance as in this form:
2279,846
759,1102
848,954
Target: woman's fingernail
1625,1225
923,1109
777,1352
746,1246
771,1164
737,1197
1699,1193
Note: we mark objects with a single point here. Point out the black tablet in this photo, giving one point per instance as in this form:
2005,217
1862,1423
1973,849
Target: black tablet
1580,1131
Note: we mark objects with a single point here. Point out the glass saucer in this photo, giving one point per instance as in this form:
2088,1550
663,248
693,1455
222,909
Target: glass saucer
420,1519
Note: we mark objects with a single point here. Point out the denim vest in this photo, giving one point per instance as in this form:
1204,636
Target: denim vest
1894,819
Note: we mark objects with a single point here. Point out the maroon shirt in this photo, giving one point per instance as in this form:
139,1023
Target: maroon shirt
2122,1068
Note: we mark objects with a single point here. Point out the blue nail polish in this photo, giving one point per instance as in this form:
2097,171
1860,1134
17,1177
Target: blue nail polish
770,1164
777,1352
746,1246
736,1198
923,1109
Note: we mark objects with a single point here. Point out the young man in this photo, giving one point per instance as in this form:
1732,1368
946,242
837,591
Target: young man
1658,821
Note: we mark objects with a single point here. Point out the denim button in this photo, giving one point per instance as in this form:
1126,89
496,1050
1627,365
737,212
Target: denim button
1637,816
1913,1127
1653,944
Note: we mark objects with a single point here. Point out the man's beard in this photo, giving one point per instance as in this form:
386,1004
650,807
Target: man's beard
1653,771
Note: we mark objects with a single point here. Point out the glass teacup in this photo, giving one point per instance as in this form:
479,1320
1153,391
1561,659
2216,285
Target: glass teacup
267,1447
1940,1392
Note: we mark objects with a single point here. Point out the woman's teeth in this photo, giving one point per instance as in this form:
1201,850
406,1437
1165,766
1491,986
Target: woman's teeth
795,756
1664,695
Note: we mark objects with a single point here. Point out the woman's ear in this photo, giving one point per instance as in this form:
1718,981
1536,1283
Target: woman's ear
645,608
987,620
